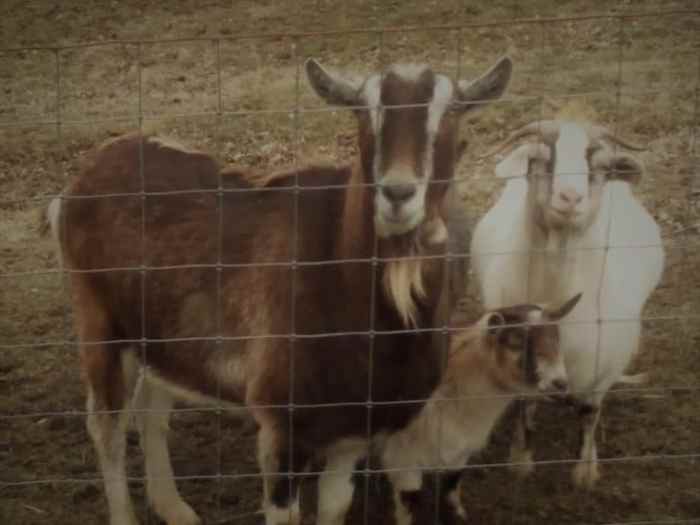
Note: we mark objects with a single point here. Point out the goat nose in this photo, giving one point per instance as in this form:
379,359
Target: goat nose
560,385
399,193
570,196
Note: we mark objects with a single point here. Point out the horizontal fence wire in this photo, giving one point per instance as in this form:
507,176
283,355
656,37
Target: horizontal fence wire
218,405
296,35
314,473
220,113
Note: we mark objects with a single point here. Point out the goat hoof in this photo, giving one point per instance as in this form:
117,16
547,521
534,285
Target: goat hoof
523,462
585,475
181,514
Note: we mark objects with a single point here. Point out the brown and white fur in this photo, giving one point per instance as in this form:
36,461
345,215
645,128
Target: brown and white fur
246,296
567,221
509,352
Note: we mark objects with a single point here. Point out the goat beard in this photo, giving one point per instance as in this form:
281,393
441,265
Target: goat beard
403,275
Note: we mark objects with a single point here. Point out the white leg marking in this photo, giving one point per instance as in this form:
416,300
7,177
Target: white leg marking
160,483
586,473
275,515
456,502
335,487
268,463
521,454
404,481
108,433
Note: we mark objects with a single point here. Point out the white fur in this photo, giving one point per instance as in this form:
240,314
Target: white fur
402,281
171,143
456,502
163,495
283,516
371,93
444,434
443,92
572,166
616,261
335,488
410,72
53,217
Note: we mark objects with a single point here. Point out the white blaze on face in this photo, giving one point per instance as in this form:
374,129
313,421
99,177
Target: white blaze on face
371,92
571,170
442,98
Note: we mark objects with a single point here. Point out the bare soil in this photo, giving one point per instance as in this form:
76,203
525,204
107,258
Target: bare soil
235,97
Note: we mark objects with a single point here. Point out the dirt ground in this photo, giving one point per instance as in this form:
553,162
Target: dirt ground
235,97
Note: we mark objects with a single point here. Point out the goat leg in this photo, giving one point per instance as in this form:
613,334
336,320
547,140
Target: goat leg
521,455
586,472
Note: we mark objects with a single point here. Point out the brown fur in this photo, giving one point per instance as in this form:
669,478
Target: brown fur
263,289
255,300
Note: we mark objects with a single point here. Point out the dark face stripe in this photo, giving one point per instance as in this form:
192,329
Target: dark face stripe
404,130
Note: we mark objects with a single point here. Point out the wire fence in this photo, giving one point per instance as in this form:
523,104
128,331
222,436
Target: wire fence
672,316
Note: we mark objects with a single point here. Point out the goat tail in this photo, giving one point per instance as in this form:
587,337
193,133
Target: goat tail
634,379
50,222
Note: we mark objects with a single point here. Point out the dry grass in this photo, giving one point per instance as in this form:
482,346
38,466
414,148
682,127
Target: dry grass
651,97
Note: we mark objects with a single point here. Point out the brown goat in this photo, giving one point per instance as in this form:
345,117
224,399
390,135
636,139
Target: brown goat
294,293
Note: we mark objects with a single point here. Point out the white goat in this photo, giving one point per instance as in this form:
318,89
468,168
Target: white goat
567,221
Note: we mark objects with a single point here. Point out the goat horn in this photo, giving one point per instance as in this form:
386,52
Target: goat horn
547,129
603,132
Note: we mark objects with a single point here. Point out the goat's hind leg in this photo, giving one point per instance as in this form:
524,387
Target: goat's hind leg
521,454
452,512
109,390
335,488
154,405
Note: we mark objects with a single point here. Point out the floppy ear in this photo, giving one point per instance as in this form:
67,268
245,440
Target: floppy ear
518,162
330,87
563,310
488,87
627,168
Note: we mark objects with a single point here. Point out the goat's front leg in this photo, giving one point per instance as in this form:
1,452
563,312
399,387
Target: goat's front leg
521,447
408,495
155,405
586,472
335,488
280,493
452,512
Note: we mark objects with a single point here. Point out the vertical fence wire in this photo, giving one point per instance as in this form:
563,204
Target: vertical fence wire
219,269
293,467
367,475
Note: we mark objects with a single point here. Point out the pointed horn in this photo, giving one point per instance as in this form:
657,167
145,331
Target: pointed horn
564,309
603,132
546,129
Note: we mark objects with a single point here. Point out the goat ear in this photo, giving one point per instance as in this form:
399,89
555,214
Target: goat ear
626,168
488,87
515,164
564,309
330,87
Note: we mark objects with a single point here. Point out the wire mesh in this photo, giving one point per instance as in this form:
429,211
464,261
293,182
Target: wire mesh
681,239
